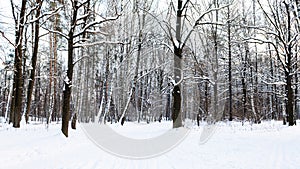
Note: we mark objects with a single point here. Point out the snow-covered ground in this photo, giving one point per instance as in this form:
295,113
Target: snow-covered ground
233,146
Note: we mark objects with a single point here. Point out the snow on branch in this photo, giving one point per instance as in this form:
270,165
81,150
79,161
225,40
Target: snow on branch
82,17
198,21
97,32
46,14
67,80
185,5
98,43
256,40
152,70
89,25
57,32
274,83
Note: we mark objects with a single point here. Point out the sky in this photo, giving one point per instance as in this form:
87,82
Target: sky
6,25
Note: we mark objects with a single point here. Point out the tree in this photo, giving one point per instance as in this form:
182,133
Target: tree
34,58
229,62
16,105
75,31
281,22
179,43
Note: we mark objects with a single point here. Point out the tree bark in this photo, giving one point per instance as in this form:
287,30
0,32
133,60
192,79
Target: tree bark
66,114
176,114
33,60
229,65
16,106
288,73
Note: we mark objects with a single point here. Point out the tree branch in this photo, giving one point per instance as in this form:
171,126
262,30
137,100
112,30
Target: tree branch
3,35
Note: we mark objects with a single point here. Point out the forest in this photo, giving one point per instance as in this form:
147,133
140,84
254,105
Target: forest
112,61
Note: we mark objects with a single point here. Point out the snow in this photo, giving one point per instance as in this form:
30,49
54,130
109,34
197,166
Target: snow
268,145
141,130
67,80
176,43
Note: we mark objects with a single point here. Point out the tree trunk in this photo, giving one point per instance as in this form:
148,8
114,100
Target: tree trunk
229,65
176,114
254,96
216,66
16,106
66,114
288,73
290,101
73,123
33,61
68,89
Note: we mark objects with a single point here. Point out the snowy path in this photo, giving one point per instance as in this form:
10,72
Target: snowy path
266,146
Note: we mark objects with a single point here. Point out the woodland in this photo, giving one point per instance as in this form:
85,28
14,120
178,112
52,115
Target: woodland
110,61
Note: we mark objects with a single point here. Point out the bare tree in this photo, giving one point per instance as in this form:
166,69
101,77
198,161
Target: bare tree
33,59
16,105
73,32
282,23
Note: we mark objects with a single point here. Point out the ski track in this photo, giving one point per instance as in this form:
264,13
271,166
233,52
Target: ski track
232,146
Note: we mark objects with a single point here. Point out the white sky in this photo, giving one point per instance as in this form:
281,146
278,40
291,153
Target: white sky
7,26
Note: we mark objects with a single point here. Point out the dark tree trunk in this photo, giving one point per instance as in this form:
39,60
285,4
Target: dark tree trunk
290,101
73,123
244,86
176,114
206,93
16,106
168,105
198,119
123,120
33,61
296,89
66,114
288,73
229,66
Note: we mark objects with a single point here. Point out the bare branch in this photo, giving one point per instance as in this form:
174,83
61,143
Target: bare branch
57,32
274,45
98,43
96,23
197,23
3,35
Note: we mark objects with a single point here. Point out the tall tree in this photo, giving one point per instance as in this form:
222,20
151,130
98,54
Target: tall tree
229,62
16,105
282,23
178,47
179,43
36,31
73,32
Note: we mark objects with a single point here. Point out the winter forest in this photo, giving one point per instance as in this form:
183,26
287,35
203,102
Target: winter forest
149,84
146,60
